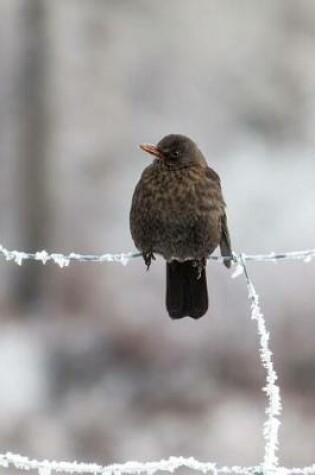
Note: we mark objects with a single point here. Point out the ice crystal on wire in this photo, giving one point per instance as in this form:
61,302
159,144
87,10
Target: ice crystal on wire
271,426
60,259
18,257
42,256
44,470
237,271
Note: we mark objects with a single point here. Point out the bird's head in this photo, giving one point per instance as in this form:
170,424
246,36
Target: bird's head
176,151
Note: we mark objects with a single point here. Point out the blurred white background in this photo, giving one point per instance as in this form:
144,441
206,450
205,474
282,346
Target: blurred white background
91,367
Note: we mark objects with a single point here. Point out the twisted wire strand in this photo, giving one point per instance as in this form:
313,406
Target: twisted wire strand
274,407
63,260
169,465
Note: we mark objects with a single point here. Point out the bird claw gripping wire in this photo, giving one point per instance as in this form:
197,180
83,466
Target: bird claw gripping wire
199,264
148,257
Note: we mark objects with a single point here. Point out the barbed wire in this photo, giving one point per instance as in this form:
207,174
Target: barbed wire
169,465
64,260
274,406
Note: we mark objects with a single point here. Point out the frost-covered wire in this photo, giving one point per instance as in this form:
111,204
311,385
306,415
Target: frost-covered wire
45,467
273,410
63,260
170,465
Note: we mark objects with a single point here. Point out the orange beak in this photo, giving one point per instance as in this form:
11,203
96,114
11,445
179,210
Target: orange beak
152,149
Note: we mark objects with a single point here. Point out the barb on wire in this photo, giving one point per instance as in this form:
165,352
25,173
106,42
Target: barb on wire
63,260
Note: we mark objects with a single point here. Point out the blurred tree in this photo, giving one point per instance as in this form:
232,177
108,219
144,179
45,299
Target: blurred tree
33,128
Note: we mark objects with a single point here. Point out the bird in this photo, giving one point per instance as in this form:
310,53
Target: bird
178,211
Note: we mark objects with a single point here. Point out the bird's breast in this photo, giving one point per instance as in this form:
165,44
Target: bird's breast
176,191
175,212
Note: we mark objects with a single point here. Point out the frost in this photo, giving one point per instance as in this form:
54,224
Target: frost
15,256
272,390
75,257
170,466
45,469
18,257
309,258
106,257
64,260
60,259
124,258
42,256
272,424
237,271
273,256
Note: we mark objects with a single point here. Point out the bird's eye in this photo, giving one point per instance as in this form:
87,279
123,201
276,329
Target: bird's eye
175,153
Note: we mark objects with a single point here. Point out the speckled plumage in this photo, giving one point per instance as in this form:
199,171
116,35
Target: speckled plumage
177,208
177,213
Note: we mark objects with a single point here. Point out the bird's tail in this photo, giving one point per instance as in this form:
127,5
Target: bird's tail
186,294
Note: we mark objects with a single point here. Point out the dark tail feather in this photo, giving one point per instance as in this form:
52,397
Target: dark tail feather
186,296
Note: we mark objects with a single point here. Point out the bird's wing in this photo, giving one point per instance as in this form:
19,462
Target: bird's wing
225,242
210,173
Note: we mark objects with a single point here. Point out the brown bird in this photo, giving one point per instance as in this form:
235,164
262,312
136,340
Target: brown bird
178,211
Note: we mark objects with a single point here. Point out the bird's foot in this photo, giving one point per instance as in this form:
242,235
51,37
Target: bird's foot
200,264
148,257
